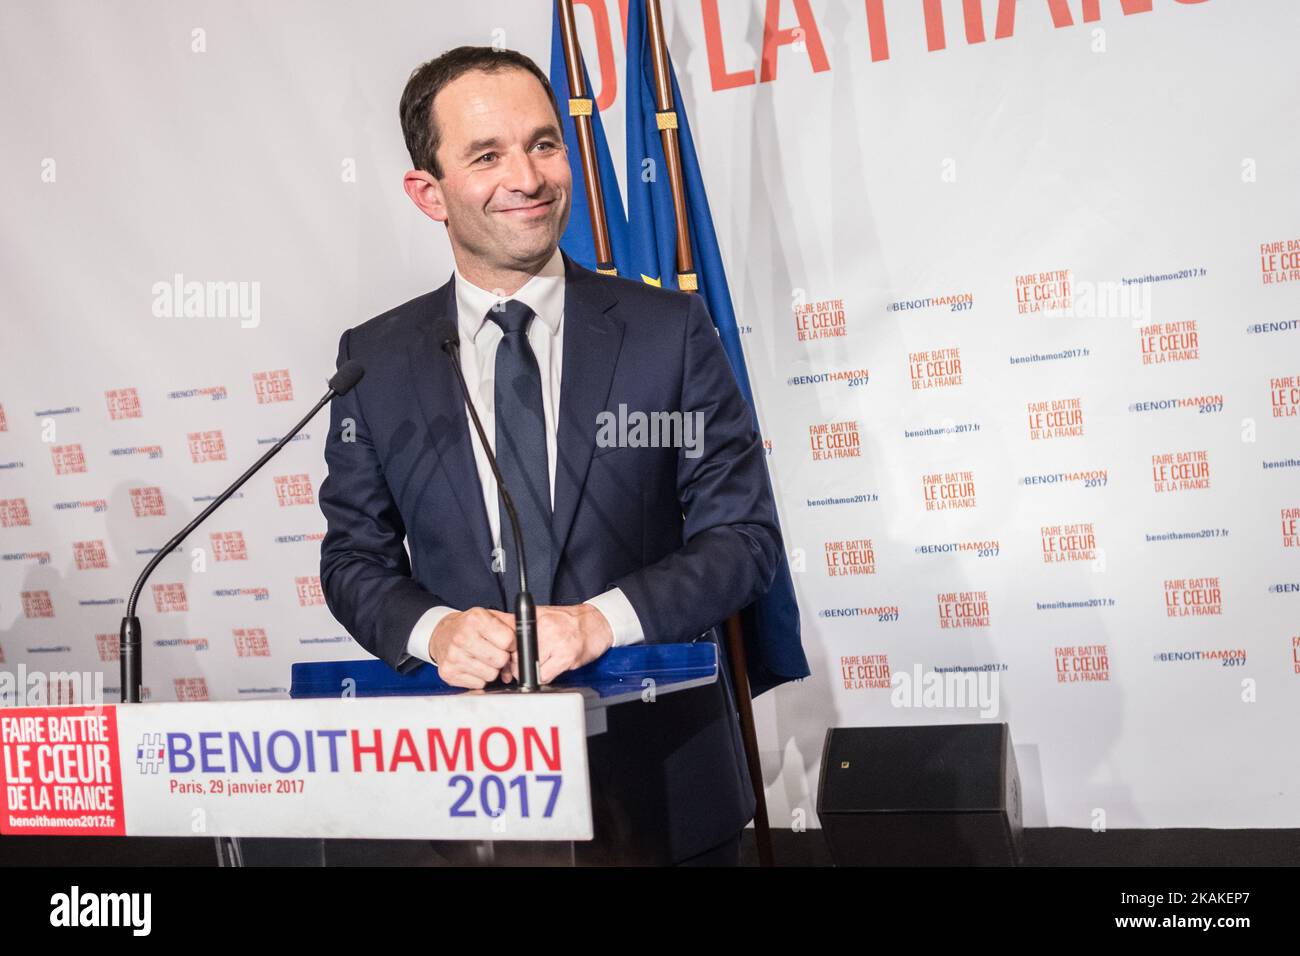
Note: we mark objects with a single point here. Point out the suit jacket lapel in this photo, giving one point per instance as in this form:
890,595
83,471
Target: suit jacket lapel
443,407
592,339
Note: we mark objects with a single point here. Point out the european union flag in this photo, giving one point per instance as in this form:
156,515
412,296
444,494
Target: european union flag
773,647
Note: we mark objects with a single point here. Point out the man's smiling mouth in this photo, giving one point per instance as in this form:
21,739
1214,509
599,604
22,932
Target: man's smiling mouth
528,211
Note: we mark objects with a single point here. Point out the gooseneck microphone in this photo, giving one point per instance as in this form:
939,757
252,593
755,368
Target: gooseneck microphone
129,636
525,609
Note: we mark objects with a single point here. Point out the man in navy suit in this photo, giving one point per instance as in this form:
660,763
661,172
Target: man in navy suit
625,540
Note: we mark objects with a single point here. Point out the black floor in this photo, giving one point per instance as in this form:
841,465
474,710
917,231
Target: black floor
1064,846
1054,846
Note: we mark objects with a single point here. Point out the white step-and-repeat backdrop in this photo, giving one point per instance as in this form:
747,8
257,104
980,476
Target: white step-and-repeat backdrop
1020,286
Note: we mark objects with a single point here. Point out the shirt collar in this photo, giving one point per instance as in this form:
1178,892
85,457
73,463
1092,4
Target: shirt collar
543,293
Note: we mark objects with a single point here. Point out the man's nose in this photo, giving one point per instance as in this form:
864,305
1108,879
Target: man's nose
521,173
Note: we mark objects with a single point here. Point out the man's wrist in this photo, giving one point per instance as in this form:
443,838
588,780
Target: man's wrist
420,642
600,625
620,616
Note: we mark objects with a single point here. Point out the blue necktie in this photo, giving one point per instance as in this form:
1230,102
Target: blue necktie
521,453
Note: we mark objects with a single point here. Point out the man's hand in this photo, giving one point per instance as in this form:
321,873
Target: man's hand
474,647
567,638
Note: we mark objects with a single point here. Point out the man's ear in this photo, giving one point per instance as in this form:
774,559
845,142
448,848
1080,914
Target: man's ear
426,193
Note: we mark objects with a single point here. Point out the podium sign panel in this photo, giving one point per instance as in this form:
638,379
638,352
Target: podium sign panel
467,767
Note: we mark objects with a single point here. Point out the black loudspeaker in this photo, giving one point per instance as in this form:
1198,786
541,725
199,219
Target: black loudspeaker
934,795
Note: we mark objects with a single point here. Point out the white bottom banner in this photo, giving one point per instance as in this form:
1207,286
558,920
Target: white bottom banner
473,766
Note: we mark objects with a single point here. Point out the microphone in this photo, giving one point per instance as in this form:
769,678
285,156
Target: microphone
525,609
344,380
349,373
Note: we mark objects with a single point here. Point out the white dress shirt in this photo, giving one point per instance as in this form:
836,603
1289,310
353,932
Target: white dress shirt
479,337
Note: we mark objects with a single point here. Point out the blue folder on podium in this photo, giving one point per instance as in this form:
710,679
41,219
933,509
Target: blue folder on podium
621,675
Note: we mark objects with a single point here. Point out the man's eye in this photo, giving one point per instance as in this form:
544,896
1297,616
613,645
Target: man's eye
484,156
547,143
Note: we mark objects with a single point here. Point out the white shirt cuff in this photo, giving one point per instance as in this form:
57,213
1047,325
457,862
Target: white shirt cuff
417,645
621,616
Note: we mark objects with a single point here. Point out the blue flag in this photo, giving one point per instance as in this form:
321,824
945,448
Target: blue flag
578,241
773,648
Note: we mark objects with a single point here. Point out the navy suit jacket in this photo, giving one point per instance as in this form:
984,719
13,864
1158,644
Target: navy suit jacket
689,540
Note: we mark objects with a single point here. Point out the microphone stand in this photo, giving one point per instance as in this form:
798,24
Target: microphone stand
525,609
129,646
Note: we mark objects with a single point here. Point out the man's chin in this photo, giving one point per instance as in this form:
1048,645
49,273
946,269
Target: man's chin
535,253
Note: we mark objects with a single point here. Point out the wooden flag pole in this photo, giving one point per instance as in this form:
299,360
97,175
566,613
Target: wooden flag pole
687,281
666,120
580,108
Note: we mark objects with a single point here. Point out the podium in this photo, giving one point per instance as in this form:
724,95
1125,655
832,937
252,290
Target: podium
358,751
622,675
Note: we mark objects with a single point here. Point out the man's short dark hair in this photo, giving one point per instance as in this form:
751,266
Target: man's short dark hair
418,125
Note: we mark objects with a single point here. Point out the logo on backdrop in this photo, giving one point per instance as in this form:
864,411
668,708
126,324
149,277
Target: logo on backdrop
865,671
1193,597
68,459
963,609
937,368
148,502
309,591
217,393
40,557
1079,664
955,302
820,320
981,549
1170,342
169,598
1038,292
89,554
13,513
852,377
851,557
207,446
948,490
108,646
190,688
1284,396
273,386
1279,261
294,490
1071,542
228,546
123,403
94,504
1058,418
1180,471
37,604
152,452
834,440
251,642
1291,527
